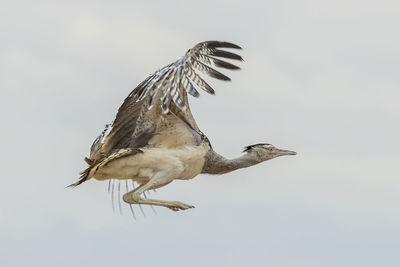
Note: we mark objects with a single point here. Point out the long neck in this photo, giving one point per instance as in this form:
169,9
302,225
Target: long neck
217,164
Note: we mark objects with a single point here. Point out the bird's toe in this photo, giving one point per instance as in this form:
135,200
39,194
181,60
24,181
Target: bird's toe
180,206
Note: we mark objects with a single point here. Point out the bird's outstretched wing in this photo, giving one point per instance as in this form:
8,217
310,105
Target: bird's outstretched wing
180,76
164,91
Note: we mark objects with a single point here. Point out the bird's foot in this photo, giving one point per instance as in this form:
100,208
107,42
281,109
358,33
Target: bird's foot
176,205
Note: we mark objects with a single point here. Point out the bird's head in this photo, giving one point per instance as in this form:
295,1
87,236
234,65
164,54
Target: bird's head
267,151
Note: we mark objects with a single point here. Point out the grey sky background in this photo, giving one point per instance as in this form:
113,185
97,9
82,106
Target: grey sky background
319,77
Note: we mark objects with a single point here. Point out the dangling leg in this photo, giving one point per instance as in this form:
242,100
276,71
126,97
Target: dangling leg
158,180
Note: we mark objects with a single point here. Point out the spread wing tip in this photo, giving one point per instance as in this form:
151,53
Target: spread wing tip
223,44
170,82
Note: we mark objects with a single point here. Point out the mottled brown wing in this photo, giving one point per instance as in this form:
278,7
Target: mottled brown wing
172,83
163,91
121,132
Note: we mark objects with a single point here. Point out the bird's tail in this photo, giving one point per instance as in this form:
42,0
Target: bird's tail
84,175
95,165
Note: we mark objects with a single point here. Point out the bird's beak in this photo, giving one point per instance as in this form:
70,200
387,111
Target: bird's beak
283,152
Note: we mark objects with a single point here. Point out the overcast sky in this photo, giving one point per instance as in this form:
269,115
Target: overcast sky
319,77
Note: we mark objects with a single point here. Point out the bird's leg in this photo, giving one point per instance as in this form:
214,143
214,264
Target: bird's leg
134,197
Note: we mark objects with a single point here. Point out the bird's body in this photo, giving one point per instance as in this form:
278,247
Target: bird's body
155,139
186,161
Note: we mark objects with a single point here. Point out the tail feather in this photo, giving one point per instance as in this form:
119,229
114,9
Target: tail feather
103,162
82,178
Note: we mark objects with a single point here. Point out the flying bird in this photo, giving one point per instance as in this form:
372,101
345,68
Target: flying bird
154,138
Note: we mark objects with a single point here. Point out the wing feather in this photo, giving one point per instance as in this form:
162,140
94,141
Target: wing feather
210,71
214,44
200,82
189,87
225,54
223,64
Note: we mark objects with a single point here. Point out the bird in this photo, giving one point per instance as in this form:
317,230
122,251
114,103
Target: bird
154,138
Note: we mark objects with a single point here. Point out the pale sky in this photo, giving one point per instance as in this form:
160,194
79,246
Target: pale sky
319,77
